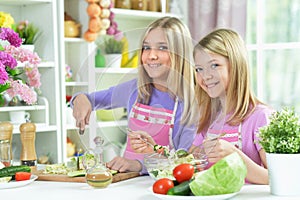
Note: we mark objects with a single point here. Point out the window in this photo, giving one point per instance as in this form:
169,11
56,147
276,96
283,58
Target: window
273,41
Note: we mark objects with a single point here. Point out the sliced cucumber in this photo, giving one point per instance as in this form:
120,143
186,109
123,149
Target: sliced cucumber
77,173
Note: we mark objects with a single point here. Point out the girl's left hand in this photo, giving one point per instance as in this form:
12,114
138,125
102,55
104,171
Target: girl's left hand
218,149
141,142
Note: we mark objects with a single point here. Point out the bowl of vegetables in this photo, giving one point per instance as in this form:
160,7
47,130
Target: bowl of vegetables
161,165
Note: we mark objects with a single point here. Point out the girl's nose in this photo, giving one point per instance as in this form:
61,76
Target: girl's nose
153,54
206,74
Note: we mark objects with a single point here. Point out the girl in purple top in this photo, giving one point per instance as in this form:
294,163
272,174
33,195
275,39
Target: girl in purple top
159,101
227,104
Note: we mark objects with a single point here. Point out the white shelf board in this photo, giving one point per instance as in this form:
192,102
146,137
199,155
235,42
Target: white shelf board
103,124
74,40
18,108
76,84
23,2
40,127
142,15
43,64
116,70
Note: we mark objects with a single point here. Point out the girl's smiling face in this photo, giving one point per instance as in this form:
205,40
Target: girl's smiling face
156,56
212,72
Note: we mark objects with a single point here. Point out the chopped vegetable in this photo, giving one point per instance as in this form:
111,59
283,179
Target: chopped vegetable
224,177
22,176
5,179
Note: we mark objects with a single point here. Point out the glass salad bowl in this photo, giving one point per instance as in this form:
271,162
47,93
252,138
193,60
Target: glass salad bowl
161,166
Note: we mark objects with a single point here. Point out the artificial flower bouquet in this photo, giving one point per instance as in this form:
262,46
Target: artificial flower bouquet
17,81
27,31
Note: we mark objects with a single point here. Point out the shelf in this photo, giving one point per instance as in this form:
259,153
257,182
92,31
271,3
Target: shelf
43,64
18,108
40,127
23,2
141,15
104,124
116,70
71,84
74,40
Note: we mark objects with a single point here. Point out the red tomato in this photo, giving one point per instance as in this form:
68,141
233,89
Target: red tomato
161,186
183,172
22,176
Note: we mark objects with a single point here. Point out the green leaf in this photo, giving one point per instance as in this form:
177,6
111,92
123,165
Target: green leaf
282,135
224,177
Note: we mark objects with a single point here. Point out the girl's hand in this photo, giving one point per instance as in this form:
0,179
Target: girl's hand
121,164
141,141
218,149
82,109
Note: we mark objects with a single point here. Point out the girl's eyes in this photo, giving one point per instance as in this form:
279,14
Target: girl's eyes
214,66
201,69
198,69
162,48
145,47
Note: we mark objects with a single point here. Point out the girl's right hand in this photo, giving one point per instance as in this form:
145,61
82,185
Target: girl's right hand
82,109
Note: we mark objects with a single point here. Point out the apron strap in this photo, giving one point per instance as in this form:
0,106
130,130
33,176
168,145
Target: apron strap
172,123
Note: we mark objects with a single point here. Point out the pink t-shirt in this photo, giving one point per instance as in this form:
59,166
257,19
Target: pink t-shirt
250,129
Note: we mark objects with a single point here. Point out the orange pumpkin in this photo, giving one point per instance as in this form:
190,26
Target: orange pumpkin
93,9
90,36
95,24
92,1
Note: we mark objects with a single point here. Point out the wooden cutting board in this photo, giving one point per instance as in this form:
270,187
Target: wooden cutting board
64,178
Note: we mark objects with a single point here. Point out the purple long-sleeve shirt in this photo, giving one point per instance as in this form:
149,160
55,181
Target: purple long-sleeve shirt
125,95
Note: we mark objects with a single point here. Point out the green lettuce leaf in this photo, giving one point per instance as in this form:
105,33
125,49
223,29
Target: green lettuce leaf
224,177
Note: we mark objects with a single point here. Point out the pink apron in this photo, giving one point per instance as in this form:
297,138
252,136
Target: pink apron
157,122
233,136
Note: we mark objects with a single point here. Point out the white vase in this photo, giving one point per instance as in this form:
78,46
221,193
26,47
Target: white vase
28,46
284,174
113,60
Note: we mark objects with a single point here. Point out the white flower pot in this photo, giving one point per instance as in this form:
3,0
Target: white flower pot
113,60
284,174
28,46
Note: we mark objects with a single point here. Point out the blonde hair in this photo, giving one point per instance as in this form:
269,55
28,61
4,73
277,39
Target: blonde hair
181,78
240,99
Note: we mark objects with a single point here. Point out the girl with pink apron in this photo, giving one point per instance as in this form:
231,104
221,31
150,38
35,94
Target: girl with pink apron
157,122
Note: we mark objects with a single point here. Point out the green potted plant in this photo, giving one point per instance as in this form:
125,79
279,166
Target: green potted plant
113,46
28,32
281,141
113,49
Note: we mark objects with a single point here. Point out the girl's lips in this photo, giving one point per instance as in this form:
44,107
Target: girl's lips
153,65
210,85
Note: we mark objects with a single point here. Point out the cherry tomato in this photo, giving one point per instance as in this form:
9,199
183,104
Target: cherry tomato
161,186
22,176
183,172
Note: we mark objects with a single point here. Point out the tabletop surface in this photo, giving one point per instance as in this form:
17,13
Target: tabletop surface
134,189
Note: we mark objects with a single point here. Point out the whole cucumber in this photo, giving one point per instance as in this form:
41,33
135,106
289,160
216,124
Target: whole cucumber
11,170
182,189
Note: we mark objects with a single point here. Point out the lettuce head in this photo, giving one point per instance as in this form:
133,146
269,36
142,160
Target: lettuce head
224,177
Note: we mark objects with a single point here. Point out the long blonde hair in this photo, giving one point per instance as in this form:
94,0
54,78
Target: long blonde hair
240,99
181,78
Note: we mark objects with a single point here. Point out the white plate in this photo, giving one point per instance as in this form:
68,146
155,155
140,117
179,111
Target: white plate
14,184
211,197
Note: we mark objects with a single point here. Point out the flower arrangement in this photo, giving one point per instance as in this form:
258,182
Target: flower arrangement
6,20
16,81
27,31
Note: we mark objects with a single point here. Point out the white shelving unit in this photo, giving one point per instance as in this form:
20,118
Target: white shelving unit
47,114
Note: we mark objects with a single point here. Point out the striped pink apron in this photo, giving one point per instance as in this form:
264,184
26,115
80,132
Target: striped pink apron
157,122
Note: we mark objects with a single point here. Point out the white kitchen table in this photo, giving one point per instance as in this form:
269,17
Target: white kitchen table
132,189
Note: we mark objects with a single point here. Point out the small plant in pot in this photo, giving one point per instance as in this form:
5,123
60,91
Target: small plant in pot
281,141
113,52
